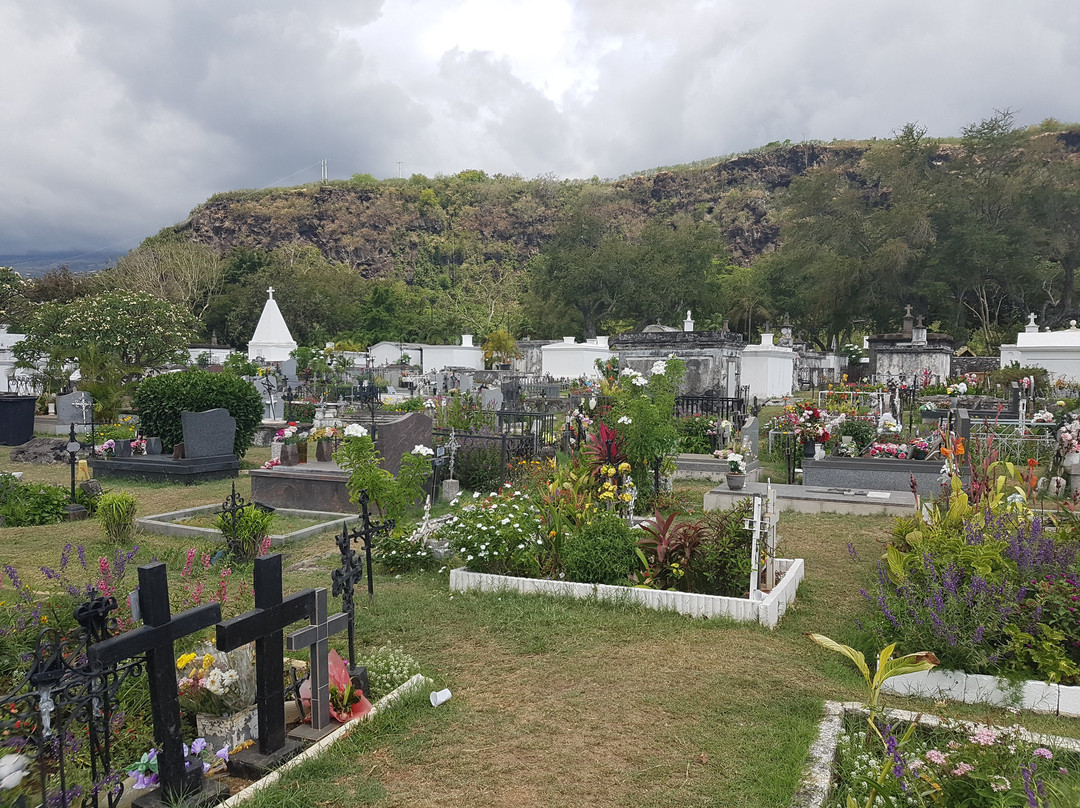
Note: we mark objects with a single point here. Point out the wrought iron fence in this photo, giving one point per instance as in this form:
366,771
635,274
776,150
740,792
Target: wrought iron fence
64,708
1012,444
731,408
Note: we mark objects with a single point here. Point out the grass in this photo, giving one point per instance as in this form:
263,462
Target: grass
283,523
562,702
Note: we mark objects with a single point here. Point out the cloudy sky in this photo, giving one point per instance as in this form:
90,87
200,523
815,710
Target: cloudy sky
117,117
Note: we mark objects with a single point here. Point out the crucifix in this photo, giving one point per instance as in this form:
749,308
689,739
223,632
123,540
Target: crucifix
265,625
316,636
83,404
452,447
181,779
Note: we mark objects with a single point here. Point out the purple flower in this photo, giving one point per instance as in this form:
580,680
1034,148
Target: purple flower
198,745
223,753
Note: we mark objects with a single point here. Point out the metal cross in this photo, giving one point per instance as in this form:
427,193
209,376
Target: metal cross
83,405
317,638
345,578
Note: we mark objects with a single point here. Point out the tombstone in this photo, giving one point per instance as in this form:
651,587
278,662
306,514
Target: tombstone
208,434
1014,401
317,638
181,779
751,432
491,398
273,409
74,408
265,626
400,436
963,425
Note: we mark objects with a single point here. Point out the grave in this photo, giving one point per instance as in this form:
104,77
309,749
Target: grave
181,778
813,499
167,524
316,636
205,434
321,486
265,626
874,473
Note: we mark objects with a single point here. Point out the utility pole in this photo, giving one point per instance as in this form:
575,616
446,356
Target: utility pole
399,169
323,166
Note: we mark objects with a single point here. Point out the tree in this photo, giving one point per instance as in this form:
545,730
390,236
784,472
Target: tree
179,271
12,300
500,346
142,331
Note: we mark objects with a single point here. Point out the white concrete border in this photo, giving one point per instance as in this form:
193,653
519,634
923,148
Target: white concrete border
316,749
766,611
165,524
813,791
977,688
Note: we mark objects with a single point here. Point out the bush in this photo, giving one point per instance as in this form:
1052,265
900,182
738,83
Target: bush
303,412
388,668
116,513
27,504
244,536
399,553
603,551
694,433
161,399
723,564
500,535
478,466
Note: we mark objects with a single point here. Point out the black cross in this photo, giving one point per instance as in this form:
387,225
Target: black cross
265,625
180,778
367,532
345,578
316,637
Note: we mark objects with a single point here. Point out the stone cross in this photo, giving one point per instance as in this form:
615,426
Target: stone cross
907,310
265,626
452,447
317,638
270,292
181,780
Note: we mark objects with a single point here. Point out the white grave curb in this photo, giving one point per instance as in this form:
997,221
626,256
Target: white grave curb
977,688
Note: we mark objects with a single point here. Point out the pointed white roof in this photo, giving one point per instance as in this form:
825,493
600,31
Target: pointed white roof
272,339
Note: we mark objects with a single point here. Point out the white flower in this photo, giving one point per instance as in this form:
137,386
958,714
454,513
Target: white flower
423,451
627,372
13,769
355,431
625,419
639,380
659,367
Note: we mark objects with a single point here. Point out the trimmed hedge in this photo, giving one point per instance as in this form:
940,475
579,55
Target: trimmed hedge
161,399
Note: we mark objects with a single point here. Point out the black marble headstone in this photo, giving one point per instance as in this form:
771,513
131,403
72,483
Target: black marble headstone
208,434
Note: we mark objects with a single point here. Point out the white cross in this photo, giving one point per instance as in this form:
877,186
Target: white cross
270,292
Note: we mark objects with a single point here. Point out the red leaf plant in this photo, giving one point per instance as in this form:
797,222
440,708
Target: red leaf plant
346,702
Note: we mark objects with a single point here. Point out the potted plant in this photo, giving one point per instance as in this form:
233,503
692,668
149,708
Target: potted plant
291,440
736,468
219,688
324,438
346,700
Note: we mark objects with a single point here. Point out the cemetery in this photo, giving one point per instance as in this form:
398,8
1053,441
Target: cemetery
518,541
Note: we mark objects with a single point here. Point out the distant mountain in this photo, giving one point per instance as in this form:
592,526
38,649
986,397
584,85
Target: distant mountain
33,265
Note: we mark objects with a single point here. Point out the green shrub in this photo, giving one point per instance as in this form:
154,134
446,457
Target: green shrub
603,551
161,399
388,668
245,534
478,466
30,504
723,562
302,412
116,513
399,553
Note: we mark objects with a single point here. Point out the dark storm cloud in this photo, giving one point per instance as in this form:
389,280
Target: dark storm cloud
119,116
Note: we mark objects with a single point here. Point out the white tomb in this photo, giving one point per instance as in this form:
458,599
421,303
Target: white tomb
1057,351
768,369
574,360
272,341
465,355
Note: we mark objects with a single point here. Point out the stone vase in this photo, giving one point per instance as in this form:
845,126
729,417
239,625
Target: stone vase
275,450
301,452
122,448
735,482
808,448
324,451
290,454
228,730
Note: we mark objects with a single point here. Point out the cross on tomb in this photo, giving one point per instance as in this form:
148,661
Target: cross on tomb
345,578
270,292
83,405
265,625
316,637
452,446
181,780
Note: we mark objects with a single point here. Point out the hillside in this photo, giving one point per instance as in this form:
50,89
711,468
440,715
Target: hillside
380,227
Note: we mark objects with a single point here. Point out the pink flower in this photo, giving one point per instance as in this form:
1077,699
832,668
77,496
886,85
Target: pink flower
936,757
1043,752
984,737
963,769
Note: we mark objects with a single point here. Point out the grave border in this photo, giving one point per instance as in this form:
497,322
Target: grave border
164,524
766,611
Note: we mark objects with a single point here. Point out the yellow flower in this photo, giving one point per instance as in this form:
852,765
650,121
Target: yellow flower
624,468
44,618
184,661
207,661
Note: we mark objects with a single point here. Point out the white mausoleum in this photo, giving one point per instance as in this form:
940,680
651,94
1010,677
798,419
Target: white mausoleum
272,341
1057,351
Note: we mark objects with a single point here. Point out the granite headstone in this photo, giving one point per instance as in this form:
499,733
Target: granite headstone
74,408
208,434
491,398
751,432
400,436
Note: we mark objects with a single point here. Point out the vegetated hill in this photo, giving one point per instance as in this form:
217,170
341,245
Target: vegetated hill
404,227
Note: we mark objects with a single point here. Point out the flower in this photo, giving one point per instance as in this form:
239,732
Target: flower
625,419
355,431
13,769
962,769
936,757
422,450
1043,752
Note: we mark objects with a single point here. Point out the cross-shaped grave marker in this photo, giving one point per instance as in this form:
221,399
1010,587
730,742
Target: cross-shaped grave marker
345,578
181,780
83,404
265,625
317,638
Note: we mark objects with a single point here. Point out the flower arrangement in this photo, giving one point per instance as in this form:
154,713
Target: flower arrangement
958,389
346,702
290,435
807,422
899,451
216,683
145,770
736,462
323,433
